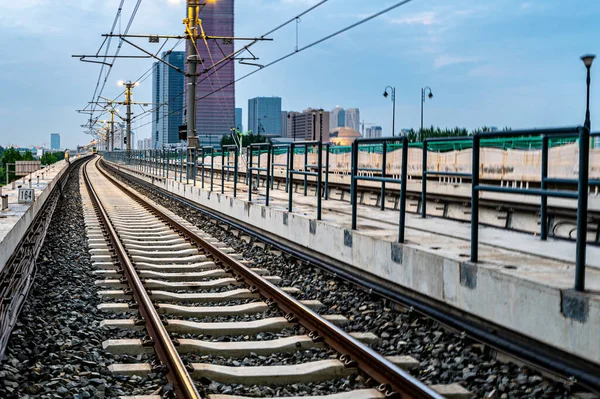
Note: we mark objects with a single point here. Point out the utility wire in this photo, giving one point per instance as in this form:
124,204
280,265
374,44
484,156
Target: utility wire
337,33
330,36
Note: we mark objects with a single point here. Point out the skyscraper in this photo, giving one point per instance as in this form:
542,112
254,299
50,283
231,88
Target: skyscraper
54,141
353,118
374,132
337,118
238,119
215,105
167,89
306,126
284,124
264,115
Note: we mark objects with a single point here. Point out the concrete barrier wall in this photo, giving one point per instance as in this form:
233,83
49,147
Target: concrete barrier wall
16,220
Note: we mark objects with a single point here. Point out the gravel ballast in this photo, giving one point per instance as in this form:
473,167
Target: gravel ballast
445,357
55,351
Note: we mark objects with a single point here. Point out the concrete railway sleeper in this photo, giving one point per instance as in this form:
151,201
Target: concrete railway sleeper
498,343
177,326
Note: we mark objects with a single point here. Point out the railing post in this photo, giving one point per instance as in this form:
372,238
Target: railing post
271,165
544,198
202,164
424,180
258,169
287,169
305,170
267,183
475,201
249,156
353,183
383,172
327,146
582,205
223,169
291,178
181,167
212,168
319,178
403,177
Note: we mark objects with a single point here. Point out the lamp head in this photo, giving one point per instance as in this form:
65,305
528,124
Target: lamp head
588,59
385,93
120,83
430,95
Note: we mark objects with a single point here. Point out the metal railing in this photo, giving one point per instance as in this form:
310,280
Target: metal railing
274,148
426,172
159,163
306,172
251,169
226,166
355,177
581,195
203,165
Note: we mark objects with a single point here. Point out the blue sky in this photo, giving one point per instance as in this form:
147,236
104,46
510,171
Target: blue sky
500,63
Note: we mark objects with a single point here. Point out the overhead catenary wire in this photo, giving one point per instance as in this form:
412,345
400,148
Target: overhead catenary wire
214,69
131,19
308,46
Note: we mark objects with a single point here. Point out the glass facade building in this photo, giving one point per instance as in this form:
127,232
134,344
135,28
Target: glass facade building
167,89
264,115
215,105
54,141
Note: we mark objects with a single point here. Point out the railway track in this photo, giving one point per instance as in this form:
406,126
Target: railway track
197,301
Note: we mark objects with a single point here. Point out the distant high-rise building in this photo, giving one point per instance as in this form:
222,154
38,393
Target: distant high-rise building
337,118
215,107
264,115
238,120
308,126
374,132
353,118
167,89
284,123
55,141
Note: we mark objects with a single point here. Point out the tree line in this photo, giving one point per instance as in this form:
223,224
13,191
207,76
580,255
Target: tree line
10,156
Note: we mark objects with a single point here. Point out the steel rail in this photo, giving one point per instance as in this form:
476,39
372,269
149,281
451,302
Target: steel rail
177,373
536,353
393,379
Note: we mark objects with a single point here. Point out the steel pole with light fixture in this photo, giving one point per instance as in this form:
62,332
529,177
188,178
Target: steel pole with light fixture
430,95
588,59
583,184
385,94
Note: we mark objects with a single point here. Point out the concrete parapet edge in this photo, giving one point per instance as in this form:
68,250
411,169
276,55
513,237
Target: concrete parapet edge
10,241
561,318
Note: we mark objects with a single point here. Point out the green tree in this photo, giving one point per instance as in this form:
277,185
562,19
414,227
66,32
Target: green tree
9,155
247,139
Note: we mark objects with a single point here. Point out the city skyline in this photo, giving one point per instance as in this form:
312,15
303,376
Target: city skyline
480,74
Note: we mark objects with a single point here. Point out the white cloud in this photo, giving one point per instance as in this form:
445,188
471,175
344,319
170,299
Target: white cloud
422,18
446,59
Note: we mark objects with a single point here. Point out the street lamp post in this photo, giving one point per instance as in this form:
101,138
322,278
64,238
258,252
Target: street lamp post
386,94
587,61
430,95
